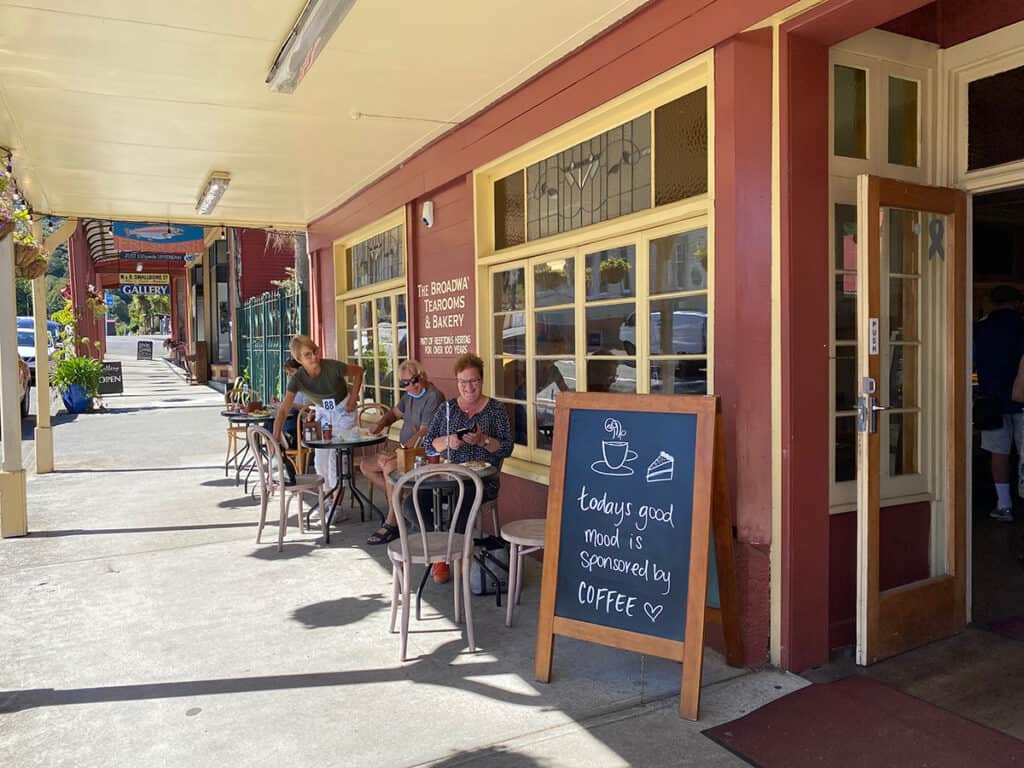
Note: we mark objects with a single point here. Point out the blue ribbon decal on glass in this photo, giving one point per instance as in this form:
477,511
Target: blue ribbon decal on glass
936,234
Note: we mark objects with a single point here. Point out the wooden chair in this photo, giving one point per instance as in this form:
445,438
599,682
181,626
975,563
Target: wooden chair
428,547
268,458
299,455
363,412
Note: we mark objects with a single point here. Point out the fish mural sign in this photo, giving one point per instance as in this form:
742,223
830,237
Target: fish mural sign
158,238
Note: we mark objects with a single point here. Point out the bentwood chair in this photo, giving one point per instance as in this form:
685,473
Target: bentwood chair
425,547
268,457
363,412
299,455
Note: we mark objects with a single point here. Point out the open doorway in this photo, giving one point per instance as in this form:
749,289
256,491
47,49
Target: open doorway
997,548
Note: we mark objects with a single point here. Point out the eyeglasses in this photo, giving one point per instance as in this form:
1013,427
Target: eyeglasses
409,382
468,382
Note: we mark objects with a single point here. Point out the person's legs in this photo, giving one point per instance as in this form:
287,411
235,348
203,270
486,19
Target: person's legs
377,468
998,443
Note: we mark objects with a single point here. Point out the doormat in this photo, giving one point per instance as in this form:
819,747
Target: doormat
859,722
1011,628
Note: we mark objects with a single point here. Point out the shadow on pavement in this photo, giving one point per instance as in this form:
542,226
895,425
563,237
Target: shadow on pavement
340,612
156,529
133,469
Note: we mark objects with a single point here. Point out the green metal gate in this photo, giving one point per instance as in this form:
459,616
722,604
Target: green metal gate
266,324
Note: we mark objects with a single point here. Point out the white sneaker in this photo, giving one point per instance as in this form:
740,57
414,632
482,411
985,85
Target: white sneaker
1002,515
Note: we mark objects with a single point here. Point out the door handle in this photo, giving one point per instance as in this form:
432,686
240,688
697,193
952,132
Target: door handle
867,413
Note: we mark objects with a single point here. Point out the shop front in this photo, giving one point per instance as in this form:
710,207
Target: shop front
763,203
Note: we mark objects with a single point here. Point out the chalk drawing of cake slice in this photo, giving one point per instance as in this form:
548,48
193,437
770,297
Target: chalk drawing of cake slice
661,469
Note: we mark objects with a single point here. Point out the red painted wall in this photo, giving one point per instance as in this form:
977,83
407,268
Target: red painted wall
951,22
82,274
742,354
262,262
903,535
323,315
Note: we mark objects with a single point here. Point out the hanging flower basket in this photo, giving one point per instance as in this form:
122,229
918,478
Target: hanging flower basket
29,261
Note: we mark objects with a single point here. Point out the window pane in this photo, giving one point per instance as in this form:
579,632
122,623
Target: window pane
509,211
845,247
846,307
400,305
510,378
351,317
679,377
509,290
679,262
553,282
376,259
609,327
553,376
510,333
846,378
902,121
679,326
850,112
387,396
383,310
556,332
995,133
846,449
599,179
903,309
903,229
903,376
517,418
610,273
681,148
903,443
611,375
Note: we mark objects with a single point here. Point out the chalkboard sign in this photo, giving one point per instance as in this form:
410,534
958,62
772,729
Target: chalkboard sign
145,351
629,555
111,379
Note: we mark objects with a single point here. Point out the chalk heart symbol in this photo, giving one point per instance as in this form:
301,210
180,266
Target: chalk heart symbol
653,611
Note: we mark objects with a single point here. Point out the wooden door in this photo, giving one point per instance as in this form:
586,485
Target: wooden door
911,363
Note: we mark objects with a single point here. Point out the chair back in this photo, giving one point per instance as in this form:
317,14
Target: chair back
267,455
367,409
412,480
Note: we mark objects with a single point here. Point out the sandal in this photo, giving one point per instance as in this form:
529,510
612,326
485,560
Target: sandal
386,533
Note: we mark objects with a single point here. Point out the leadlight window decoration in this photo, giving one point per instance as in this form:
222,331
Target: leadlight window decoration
376,259
995,128
596,180
608,175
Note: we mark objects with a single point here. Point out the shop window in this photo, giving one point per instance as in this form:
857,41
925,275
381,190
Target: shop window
681,148
509,216
376,259
995,131
585,320
844,341
376,337
903,121
849,104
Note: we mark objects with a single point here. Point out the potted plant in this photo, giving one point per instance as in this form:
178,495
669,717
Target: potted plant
77,378
614,269
548,279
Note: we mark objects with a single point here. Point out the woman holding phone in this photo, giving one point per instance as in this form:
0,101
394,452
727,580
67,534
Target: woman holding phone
470,427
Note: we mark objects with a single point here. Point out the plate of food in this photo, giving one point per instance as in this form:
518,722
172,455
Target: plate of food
475,464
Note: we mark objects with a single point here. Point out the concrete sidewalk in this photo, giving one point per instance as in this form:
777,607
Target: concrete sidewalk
142,625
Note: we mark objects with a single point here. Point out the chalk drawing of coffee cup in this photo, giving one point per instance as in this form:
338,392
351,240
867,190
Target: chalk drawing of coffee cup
616,455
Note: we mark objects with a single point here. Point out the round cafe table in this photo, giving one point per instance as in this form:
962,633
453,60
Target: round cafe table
342,447
241,456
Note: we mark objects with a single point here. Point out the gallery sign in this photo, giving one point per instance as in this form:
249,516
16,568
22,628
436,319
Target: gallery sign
128,291
145,278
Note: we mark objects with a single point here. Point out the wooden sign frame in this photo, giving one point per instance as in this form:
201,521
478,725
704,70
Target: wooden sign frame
710,504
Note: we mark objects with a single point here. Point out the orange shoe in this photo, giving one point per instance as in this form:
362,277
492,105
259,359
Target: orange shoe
442,573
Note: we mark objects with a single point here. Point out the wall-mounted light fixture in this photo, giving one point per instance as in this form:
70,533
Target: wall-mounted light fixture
138,267
211,194
304,43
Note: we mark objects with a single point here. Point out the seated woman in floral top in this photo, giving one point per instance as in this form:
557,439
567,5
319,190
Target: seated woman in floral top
490,440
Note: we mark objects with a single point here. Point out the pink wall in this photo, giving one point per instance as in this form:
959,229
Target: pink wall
262,262
951,22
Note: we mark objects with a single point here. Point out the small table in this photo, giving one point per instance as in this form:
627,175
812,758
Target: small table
443,485
239,457
524,537
342,447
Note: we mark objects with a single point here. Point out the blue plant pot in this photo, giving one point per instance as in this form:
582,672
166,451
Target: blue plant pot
76,400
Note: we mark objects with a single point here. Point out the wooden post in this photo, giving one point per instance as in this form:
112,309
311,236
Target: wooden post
44,432
13,504
721,521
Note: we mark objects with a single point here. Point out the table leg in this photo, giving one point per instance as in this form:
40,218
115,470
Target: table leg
513,573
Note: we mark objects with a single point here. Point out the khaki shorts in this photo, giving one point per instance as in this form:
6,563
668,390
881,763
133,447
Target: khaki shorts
1003,439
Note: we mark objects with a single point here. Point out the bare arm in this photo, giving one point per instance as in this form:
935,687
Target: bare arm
355,372
282,413
386,421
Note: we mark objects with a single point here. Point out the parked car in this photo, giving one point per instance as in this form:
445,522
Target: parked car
27,350
23,387
689,333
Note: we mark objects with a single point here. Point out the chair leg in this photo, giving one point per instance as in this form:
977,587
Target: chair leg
406,600
395,587
232,444
513,571
323,513
264,502
469,604
456,578
282,524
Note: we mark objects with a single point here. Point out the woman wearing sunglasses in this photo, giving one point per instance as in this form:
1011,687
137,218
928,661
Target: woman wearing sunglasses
415,408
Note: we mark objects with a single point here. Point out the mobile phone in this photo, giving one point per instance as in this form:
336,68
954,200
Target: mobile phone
461,433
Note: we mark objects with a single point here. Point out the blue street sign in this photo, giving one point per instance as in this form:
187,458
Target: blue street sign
109,298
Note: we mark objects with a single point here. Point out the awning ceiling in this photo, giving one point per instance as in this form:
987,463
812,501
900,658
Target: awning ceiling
120,109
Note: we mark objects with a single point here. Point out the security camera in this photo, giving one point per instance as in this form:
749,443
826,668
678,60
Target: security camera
428,214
